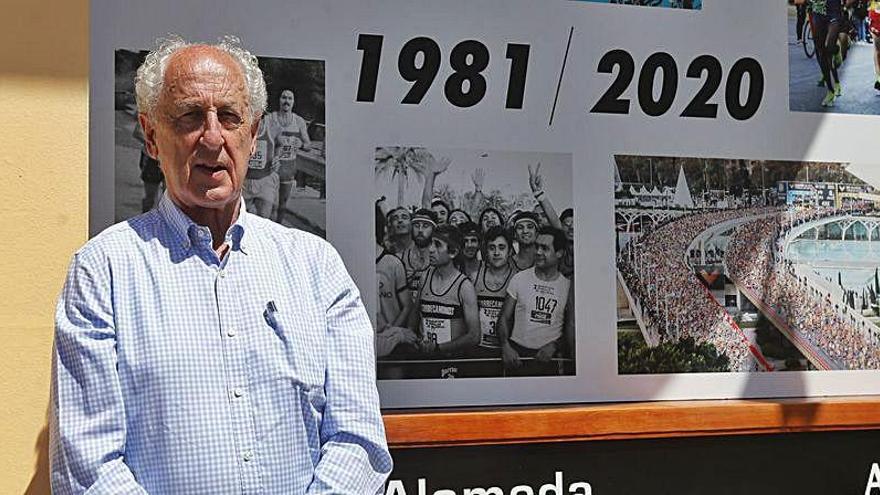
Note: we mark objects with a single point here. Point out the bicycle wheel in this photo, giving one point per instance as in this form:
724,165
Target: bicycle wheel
807,40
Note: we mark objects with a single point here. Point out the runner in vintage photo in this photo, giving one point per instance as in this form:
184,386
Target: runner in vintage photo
479,236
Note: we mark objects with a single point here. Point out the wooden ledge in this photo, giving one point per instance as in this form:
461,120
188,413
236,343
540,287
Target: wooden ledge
621,421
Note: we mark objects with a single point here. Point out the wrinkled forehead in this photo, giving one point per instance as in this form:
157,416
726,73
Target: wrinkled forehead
399,214
498,241
287,94
199,69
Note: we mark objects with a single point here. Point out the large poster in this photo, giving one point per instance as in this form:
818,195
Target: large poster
725,241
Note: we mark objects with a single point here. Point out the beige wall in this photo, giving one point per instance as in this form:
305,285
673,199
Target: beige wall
43,212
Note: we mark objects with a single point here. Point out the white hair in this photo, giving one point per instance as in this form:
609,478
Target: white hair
151,74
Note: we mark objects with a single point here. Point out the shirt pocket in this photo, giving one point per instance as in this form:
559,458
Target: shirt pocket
290,347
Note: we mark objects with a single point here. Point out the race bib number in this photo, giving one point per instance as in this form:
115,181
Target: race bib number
286,152
542,312
289,145
437,330
488,320
258,159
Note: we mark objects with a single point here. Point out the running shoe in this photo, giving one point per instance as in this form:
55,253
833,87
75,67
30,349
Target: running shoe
877,84
828,101
838,89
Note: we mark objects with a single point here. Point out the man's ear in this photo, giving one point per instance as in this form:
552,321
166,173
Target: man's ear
149,135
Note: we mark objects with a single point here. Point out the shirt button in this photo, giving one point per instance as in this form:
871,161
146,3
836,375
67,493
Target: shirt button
248,456
237,392
231,333
222,273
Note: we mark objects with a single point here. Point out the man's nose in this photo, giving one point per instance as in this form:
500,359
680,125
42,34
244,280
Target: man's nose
212,137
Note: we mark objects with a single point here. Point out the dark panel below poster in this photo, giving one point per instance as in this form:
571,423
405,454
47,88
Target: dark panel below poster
805,463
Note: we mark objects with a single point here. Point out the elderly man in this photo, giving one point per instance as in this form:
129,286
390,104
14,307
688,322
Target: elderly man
203,349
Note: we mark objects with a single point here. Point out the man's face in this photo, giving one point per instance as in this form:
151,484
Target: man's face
545,255
441,213
202,131
490,219
526,230
568,228
457,218
421,232
471,244
286,100
400,222
438,253
497,251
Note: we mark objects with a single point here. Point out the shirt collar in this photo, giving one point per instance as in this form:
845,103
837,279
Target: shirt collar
189,233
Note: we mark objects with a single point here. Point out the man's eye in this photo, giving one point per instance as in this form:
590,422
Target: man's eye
229,118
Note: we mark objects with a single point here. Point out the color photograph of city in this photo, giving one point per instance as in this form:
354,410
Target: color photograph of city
745,266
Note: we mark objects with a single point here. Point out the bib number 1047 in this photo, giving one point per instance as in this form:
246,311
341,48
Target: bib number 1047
663,65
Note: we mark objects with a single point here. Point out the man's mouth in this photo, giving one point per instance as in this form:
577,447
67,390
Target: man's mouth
210,168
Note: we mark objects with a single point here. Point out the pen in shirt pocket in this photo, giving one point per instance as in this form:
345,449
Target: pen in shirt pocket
270,313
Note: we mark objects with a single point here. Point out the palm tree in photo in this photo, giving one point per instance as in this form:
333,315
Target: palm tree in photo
401,163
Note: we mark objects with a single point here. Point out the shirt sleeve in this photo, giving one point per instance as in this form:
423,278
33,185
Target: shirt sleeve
87,419
354,454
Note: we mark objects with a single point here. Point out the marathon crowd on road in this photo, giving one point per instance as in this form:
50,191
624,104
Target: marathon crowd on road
754,259
673,303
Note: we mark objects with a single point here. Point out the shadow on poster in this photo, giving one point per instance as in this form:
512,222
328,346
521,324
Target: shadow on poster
474,249
286,178
745,266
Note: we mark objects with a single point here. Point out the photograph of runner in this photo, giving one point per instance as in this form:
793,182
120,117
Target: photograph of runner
286,175
834,56
474,263
745,266
669,4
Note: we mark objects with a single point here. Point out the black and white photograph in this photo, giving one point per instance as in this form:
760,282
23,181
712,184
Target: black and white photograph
474,263
745,266
834,56
285,181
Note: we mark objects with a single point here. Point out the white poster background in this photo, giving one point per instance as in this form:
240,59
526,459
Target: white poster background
328,30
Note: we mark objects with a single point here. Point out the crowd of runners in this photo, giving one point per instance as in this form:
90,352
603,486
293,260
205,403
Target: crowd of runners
673,303
469,290
756,263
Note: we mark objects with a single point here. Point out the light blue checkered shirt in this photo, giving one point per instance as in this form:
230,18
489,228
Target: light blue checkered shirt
176,372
